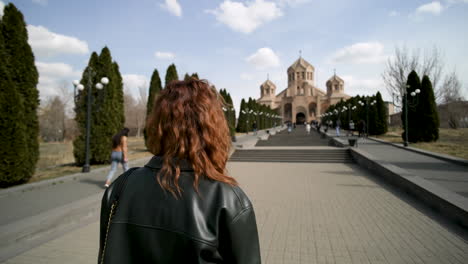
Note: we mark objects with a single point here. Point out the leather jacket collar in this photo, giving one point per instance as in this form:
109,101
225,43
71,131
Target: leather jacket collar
157,162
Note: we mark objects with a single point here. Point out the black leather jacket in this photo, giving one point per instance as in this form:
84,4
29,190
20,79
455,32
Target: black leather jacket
151,226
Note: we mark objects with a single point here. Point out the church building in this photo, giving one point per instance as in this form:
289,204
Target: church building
302,101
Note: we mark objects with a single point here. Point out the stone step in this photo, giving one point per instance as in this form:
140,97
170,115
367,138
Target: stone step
275,155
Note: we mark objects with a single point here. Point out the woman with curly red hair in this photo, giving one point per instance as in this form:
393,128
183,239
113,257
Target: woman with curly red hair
182,207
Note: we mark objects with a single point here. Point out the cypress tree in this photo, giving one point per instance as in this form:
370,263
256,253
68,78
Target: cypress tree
154,90
427,108
195,75
413,117
381,123
241,122
231,113
13,132
107,109
19,63
186,77
171,74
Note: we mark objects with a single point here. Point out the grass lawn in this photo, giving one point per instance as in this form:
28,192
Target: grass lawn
56,159
452,142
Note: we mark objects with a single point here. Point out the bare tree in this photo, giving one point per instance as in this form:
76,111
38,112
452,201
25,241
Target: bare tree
451,89
453,108
67,97
52,120
141,109
135,110
403,62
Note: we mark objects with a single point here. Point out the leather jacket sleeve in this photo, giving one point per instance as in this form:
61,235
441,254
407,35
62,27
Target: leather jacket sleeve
240,242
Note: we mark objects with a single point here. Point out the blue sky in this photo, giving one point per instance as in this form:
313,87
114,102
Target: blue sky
235,44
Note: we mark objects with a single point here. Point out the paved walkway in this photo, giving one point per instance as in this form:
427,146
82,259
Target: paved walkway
311,213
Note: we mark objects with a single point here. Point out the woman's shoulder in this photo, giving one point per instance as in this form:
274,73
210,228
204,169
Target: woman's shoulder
233,195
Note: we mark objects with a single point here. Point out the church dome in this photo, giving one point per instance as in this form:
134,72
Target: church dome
335,79
300,63
268,84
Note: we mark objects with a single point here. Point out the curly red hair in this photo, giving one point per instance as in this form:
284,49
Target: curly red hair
187,123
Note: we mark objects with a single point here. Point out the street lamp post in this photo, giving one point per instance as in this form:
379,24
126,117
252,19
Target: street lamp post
104,81
406,106
367,112
350,108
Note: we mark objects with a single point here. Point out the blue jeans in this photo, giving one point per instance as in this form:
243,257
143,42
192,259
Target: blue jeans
116,158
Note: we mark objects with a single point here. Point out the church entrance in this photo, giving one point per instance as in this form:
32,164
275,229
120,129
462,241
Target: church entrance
300,118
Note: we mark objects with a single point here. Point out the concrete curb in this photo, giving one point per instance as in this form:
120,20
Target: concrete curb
447,203
458,161
41,184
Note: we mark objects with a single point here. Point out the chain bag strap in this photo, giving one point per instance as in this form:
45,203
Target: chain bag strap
118,191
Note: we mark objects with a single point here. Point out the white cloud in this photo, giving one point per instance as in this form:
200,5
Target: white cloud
52,76
356,86
264,58
41,2
133,82
164,55
393,13
173,7
434,8
246,17
360,53
2,6
46,43
246,76
292,3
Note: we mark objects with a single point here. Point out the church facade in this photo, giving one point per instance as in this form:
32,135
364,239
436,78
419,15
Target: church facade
302,101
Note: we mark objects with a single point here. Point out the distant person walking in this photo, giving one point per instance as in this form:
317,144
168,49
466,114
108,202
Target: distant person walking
338,124
351,127
361,126
119,154
254,127
289,127
308,129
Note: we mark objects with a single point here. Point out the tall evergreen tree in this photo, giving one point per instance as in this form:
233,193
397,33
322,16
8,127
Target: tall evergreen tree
413,118
13,132
20,65
154,90
381,123
231,114
427,108
171,74
195,75
107,109
242,121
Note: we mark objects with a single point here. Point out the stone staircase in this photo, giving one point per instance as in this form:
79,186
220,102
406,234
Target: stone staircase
338,155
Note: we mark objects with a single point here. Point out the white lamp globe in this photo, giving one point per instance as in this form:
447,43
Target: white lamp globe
76,82
80,87
413,93
418,91
99,86
104,80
